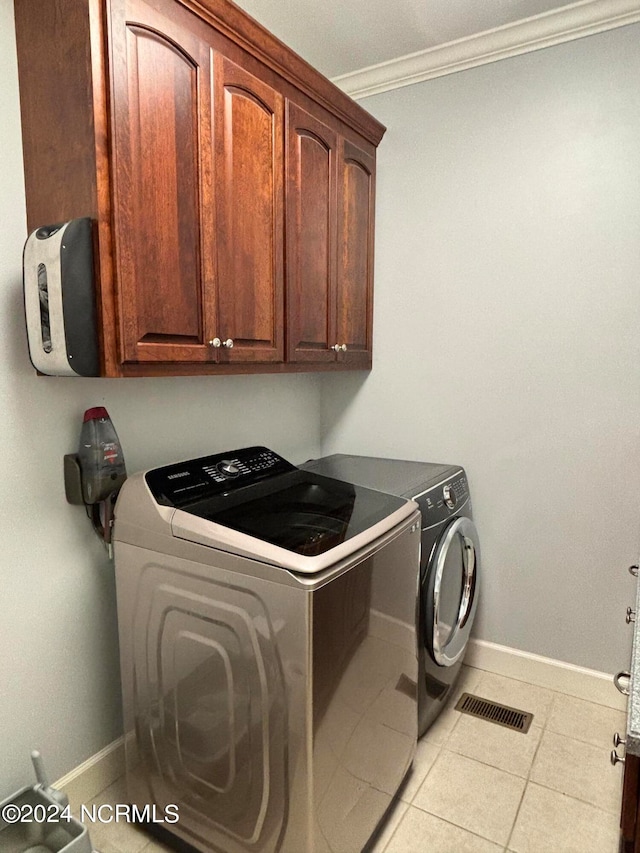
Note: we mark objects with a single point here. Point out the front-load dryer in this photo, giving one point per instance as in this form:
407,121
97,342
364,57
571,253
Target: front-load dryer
268,652
449,563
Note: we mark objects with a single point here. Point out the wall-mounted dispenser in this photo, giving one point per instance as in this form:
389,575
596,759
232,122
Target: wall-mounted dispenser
59,299
93,476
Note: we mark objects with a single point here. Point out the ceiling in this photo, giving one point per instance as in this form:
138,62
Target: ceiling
341,36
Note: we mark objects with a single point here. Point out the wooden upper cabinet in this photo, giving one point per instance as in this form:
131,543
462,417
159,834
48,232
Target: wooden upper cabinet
198,182
311,237
330,207
249,176
356,191
164,233
231,185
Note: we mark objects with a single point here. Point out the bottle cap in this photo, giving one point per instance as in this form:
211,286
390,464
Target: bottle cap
95,414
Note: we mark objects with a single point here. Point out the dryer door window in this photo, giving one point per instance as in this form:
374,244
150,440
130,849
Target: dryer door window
452,591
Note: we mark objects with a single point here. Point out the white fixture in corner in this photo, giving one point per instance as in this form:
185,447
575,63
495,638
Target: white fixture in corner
574,21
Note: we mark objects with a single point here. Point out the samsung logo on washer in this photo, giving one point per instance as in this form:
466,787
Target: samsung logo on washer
176,476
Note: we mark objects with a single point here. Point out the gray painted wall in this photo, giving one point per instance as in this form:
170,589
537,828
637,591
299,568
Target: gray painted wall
507,318
58,639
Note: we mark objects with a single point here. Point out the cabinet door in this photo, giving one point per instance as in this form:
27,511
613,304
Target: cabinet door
162,152
249,177
356,196
311,237
629,813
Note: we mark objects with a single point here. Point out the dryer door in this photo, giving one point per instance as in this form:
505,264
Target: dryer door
451,595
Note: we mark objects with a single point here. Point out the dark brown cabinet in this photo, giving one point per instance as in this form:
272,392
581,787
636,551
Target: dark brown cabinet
356,190
231,185
249,170
161,116
629,823
330,205
312,239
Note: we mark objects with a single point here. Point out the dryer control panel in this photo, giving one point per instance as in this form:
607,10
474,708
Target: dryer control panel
442,501
197,479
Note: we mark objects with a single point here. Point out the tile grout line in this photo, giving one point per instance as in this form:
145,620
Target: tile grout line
579,740
547,728
456,825
529,781
409,805
492,766
443,749
577,799
410,802
528,776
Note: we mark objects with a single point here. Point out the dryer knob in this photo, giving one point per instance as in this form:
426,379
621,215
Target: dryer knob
449,496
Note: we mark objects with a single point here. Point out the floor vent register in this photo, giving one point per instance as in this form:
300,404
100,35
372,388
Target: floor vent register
502,715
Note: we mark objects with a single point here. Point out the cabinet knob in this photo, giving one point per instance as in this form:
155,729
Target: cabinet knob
615,758
616,680
336,347
216,342
631,615
633,570
228,343
618,741
343,347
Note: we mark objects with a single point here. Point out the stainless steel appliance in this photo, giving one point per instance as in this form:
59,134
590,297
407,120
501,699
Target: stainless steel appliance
268,651
449,565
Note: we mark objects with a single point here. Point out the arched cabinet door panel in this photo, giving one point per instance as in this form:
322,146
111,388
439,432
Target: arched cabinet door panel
311,152
162,152
249,177
356,196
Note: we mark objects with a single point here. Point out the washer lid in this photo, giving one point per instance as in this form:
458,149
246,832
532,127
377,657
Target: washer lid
195,529
253,503
300,521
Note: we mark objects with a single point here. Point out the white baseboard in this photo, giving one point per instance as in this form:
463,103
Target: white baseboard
90,778
588,684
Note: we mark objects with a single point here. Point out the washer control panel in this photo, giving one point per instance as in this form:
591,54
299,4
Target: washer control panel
208,476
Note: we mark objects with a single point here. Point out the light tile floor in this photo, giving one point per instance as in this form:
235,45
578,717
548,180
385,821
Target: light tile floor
477,787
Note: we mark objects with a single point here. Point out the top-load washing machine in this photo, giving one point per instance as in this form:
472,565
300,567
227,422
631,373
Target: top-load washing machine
268,652
449,565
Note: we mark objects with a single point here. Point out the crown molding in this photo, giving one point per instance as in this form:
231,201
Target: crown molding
575,21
